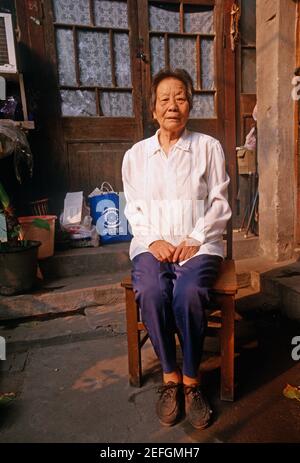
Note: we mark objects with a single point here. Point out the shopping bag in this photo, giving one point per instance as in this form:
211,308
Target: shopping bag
107,211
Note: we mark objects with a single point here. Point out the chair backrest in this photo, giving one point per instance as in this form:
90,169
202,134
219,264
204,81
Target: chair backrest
230,169
228,238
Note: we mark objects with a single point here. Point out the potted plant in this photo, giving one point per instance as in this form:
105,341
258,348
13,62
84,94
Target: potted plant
39,228
18,256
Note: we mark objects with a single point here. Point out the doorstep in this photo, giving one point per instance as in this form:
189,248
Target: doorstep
245,247
63,296
87,261
283,283
115,258
73,294
272,286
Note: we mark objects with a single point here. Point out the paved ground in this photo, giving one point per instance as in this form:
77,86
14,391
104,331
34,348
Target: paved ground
71,386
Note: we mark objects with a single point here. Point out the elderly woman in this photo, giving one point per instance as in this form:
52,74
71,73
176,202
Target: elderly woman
175,186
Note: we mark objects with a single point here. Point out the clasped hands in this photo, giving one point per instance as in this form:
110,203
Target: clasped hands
166,252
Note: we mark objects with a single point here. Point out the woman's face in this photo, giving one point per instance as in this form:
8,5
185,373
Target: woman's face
172,107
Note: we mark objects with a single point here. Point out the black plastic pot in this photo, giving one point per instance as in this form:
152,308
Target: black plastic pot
18,268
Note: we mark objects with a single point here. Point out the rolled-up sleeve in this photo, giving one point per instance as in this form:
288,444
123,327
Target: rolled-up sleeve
136,210
217,211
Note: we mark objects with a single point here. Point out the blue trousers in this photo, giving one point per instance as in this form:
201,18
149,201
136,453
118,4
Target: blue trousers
173,299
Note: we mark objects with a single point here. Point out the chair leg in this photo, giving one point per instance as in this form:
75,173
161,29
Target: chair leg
227,348
133,340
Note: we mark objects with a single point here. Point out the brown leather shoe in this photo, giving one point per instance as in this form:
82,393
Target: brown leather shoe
197,409
170,403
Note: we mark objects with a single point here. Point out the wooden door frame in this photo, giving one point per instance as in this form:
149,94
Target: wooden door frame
297,135
249,99
245,103
230,107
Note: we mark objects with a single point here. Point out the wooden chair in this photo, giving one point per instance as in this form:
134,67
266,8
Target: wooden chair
224,292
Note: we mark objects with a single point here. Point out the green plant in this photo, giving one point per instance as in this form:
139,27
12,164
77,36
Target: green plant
15,236
12,225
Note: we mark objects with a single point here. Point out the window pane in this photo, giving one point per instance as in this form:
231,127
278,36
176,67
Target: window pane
203,106
78,103
116,104
65,57
157,45
164,18
248,21
198,19
248,70
111,13
122,59
4,58
183,55
94,58
71,11
207,64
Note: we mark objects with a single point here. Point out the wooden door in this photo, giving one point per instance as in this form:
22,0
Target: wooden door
92,47
194,35
189,35
101,55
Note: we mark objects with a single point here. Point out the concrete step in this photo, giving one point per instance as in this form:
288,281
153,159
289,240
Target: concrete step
276,285
250,301
64,296
92,323
82,308
283,284
107,319
115,257
87,261
251,270
245,248
74,294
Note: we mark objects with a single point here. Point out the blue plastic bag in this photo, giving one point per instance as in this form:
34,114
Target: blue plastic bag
107,211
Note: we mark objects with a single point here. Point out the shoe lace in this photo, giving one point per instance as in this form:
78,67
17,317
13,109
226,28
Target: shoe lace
167,390
195,392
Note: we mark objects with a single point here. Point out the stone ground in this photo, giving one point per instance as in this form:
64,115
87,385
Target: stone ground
70,379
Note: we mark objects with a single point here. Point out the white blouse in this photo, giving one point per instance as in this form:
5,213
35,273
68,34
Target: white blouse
179,195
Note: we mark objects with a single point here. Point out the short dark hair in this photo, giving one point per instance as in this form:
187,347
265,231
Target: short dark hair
180,74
